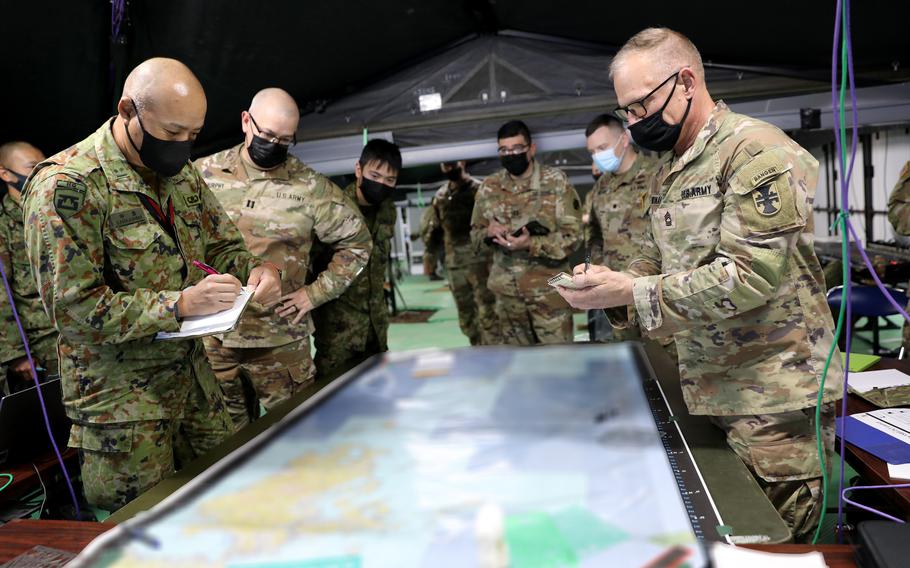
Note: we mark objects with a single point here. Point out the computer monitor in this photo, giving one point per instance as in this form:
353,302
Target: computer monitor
23,434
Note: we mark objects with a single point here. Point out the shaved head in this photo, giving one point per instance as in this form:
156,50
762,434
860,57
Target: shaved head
11,151
669,51
273,116
274,100
162,81
17,160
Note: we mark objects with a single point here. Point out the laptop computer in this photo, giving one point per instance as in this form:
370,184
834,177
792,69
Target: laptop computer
23,434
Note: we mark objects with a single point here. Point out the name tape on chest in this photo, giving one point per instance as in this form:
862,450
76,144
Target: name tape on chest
697,191
126,218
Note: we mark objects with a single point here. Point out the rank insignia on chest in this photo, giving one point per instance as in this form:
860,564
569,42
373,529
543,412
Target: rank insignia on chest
192,200
767,200
668,220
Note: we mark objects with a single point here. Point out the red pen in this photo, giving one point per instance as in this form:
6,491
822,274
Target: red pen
205,267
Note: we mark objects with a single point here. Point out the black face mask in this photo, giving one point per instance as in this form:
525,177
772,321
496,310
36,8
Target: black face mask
20,181
374,192
454,174
165,157
654,133
515,164
265,154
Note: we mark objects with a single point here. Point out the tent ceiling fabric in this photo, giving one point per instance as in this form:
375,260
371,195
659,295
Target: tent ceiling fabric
64,73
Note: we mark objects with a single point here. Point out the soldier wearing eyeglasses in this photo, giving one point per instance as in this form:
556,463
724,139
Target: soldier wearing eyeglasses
281,206
729,270
530,215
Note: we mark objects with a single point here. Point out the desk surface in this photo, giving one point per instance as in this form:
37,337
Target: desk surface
872,469
25,480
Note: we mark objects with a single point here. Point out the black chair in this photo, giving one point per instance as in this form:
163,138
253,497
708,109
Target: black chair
868,302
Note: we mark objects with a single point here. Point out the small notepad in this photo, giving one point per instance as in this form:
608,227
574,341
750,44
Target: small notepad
222,322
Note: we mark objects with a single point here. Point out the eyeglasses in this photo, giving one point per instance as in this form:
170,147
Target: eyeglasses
638,108
512,150
272,137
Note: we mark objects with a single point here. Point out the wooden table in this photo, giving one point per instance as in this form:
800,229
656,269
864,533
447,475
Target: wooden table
18,537
25,480
873,470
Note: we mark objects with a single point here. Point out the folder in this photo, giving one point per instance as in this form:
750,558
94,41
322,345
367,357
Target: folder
873,440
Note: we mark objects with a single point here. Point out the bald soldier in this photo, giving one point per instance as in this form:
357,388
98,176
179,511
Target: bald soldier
17,160
281,206
899,215
729,270
113,226
530,215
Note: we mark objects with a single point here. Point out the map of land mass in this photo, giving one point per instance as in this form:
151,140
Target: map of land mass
394,467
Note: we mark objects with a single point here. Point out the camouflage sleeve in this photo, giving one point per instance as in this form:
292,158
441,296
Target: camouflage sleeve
10,342
899,203
565,238
225,250
66,253
429,222
753,253
480,217
340,227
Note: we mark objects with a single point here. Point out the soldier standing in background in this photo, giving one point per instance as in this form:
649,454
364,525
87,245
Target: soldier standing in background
530,215
355,326
17,160
899,215
281,206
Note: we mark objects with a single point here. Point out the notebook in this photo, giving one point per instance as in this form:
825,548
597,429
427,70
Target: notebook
222,322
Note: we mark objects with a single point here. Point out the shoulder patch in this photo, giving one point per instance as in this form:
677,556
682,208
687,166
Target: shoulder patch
69,196
767,200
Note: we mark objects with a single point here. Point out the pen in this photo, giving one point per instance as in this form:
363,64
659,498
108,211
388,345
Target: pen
205,267
587,260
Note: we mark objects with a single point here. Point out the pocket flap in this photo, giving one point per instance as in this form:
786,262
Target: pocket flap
789,460
102,438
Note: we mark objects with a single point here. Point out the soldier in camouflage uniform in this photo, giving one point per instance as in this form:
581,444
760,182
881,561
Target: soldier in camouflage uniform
281,206
468,271
899,215
527,196
17,159
355,326
619,204
730,271
113,224
431,235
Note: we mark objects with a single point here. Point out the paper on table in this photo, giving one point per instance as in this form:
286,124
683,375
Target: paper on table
885,378
726,556
892,421
899,471
222,322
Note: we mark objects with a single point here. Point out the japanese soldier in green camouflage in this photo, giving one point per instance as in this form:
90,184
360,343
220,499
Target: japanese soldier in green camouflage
355,326
468,271
530,215
17,160
729,270
431,235
112,227
281,206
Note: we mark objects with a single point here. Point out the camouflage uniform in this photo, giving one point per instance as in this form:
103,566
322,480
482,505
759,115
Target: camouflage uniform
431,235
731,272
280,213
619,210
355,326
529,310
899,215
110,275
42,337
468,271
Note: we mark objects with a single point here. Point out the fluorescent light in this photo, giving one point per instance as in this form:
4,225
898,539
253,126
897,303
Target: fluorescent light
432,101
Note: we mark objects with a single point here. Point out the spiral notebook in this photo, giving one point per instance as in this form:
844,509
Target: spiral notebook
222,322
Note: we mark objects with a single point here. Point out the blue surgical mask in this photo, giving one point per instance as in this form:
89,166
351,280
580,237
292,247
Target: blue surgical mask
607,161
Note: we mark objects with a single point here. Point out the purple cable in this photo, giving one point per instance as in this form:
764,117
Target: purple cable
851,231
871,509
31,362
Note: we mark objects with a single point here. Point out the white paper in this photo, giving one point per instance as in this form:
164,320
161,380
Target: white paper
892,421
899,471
211,324
726,556
885,378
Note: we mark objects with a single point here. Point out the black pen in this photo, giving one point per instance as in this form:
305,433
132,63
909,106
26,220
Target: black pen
587,260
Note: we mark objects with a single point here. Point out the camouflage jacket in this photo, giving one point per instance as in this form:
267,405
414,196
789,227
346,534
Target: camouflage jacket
35,322
110,276
731,271
619,214
899,203
454,205
546,197
365,298
280,213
